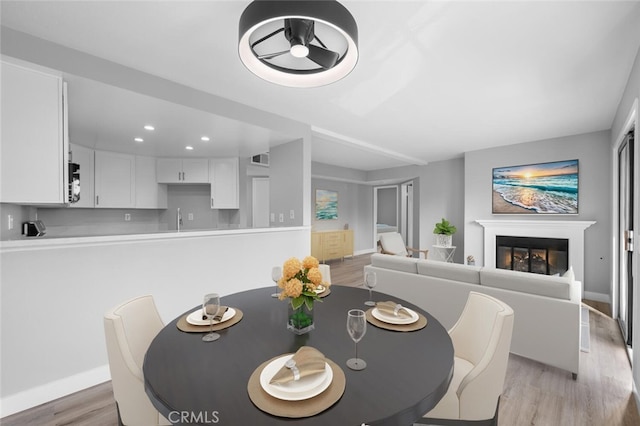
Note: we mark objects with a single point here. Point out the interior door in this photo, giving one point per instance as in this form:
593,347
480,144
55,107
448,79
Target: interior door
626,234
260,202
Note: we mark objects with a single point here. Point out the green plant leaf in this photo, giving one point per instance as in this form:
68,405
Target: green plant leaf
309,303
296,302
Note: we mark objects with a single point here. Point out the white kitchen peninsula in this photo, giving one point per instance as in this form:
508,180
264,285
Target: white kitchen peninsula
56,290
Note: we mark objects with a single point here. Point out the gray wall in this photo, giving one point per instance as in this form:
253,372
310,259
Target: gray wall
355,209
442,195
287,182
594,198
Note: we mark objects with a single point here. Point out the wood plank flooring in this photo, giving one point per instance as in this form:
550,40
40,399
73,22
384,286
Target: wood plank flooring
535,394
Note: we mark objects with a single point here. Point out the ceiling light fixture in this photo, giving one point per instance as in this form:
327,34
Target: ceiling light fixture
318,44
188,148
205,138
138,139
149,127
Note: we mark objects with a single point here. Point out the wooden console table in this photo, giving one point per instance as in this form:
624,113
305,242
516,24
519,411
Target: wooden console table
332,244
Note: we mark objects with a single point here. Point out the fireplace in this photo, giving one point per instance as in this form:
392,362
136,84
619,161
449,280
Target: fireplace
572,230
547,256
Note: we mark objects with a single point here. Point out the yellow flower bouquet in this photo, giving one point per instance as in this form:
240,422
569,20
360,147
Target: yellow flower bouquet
299,282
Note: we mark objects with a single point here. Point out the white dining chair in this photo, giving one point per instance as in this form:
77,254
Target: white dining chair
325,270
481,341
392,243
129,329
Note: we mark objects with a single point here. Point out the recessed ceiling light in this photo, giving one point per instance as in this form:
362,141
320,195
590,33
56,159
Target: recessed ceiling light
138,139
205,138
188,148
149,127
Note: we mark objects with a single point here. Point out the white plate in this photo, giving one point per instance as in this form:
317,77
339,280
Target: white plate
195,317
320,289
392,319
305,388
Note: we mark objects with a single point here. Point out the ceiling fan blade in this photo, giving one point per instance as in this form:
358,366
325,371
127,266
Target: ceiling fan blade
298,31
273,55
325,58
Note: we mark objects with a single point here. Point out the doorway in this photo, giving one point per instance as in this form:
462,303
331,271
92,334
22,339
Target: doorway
406,212
260,202
385,210
625,281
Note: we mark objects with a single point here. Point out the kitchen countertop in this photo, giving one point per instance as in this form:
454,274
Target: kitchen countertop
27,243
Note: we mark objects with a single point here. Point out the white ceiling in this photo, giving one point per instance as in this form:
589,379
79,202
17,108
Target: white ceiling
434,78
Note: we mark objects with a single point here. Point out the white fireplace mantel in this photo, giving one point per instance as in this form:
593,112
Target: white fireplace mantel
572,230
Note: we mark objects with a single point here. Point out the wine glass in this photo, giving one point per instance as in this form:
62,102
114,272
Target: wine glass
276,274
370,282
210,308
356,327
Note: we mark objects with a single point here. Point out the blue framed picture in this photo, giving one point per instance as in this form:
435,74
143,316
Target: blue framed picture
326,204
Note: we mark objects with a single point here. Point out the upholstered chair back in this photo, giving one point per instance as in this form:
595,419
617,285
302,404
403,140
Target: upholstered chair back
129,330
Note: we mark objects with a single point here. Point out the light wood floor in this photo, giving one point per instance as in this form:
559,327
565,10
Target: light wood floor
535,394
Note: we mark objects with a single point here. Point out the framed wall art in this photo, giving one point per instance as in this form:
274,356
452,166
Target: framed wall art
542,188
326,204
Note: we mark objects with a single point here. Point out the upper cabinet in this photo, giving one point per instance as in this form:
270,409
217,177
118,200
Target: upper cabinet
115,180
84,158
149,194
182,170
223,173
34,145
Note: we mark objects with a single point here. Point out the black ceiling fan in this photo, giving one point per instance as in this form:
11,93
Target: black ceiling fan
300,33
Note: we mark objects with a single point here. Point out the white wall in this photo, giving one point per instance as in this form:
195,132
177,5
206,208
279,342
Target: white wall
54,297
594,197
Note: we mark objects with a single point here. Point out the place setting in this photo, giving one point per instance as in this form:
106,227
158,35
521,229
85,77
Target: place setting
211,317
297,385
389,314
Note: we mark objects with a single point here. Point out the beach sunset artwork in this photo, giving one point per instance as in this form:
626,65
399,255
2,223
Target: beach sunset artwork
326,204
547,188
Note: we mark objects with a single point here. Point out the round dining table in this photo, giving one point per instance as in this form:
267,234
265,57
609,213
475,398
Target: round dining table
407,373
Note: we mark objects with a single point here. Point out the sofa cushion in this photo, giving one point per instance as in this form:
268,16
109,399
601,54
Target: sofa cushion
449,271
543,285
397,263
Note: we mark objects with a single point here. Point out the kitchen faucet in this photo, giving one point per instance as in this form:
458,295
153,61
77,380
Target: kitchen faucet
178,220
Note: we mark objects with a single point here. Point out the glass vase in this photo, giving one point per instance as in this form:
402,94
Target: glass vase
300,321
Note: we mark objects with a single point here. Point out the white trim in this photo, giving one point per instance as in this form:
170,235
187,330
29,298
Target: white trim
597,297
53,390
365,146
636,395
632,118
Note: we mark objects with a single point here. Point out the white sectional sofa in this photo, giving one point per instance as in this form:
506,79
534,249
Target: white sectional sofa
547,308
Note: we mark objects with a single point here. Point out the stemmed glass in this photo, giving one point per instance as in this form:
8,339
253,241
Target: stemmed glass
210,308
356,327
276,274
370,282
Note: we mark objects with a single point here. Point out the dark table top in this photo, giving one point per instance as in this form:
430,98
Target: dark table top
407,372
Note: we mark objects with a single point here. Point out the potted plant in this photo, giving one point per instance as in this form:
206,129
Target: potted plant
444,231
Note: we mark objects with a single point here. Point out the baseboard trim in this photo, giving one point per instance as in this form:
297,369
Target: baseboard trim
636,395
57,389
366,251
597,297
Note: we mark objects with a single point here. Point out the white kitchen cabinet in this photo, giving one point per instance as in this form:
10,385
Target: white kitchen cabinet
84,157
115,180
34,144
223,173
182,170
149,193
